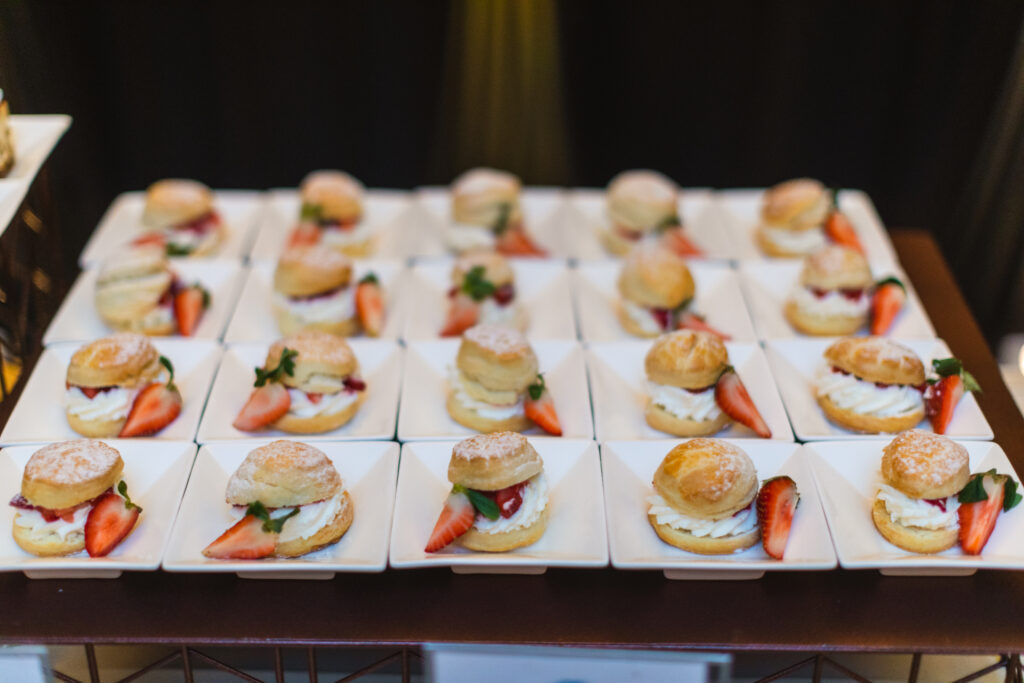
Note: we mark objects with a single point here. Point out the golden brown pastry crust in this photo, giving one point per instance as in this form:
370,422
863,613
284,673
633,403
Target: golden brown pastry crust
705,545
876,359
836,267
309,270
331,533
706,479
641,200
65,474
125,359
175,201
320,353
868,424
799,204
283,473
293,424
914,539
823,326
506,540
688,359
467,417
664,421
491,462
497,269
925,465
481,195
654,277
498,358
338,195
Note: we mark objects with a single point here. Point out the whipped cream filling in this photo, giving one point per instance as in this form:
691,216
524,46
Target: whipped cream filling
865,398
346,237
329,404
492,313
535,499
917,512
338,306
642,317
683,404
797,241
738,524
832,304
464,237
486,410
112,404
311,518
33,521
186,239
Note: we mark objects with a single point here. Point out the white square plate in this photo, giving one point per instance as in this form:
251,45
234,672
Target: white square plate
380,364
254,320
767,285
122,223
619,389
425,390
382,209
717,297
543,217
39,416
740,212
575,535
588,218
848,475
77,319
155,472
542,290
34,137
795,362
628,468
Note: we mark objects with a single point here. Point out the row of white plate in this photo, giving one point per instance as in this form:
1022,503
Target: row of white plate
598,388
597,513
567,223
744,301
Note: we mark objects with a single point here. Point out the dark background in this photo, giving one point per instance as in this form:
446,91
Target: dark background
911,101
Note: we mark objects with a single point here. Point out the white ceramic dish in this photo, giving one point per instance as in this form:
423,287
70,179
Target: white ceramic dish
77,319
795,362
575,535
740,212
619,391
542,291
34,138
254,321
767,286
628,468
368,472
39,416
425,385
588,218
380,365
122,223
848,475
717,298
384,210
12,193
155,472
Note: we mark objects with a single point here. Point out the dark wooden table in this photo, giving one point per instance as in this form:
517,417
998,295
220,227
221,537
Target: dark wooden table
837,610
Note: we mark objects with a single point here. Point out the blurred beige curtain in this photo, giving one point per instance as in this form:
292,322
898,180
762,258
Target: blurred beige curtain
501,103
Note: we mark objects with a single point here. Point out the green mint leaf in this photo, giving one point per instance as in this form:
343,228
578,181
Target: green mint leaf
667,223
204,292
834,191
890,281
370,278
285,366
476,285
122,488
311,212
974,492
947,367
172,249
504,213
537,388
970,384
164,361
1011,498
273,526
484,505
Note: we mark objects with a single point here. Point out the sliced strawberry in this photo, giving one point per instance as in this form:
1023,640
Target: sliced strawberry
509,499
732,397
514,241
304,234
692,321
154,408
370,305
776,504
942,395
189,304
463,313
456,519
886,303
111,519
676,240
839,229
266,405
149,239
540,407
985,496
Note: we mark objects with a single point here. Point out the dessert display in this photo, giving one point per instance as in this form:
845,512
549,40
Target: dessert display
180,217
496,386
693,389
73,497
486,214
312,291
644,204
309,384
114,388
137,291
799,217
6,143
499,497
483,292
290,501
331,214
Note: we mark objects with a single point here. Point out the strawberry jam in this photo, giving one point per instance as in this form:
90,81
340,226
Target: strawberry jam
201,225
354,384
853,294
937,502
509,499
90,392
662,316
50,516
503,295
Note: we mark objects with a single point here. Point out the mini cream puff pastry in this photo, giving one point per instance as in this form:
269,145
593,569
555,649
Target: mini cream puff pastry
486,214
656,287
483,291
793,214
180,217
640,204
311,291
833,296
332,214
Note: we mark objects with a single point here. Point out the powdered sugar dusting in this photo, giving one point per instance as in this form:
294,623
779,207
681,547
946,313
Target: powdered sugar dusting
832,258
925,455
114,350
282,456
316,256
497,339
71,462
486,446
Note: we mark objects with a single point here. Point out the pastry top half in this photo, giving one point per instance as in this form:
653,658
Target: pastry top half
642,200
925,465
498,358
65,474
338,196
836,267
481,195
876,359
655,277
131,282
706,479
800,204
496,268
125,359
490,462
688,359
309,270
175,201
322,363
284,473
